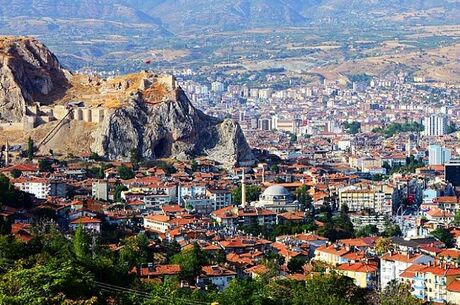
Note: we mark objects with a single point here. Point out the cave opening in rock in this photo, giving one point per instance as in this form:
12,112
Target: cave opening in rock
162,149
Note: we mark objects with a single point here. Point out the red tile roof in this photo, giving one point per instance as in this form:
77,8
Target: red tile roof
454,286
359,267
85,220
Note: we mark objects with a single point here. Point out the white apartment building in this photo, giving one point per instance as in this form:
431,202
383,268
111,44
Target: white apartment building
438,155
41,188
435,125
393,264
378,198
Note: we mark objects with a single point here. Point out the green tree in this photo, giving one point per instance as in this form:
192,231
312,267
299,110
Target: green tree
392,230
456,221
383,245
352,128
194,166
190,261
305,200
16,173
81,243
135,250
343,223
125,173
445,236
30,149
275,168
134,157
45,165
398,294
295,264
55,282
252,193
119,188
367,230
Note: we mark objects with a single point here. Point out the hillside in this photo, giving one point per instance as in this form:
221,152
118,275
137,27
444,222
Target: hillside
144,111
196,15
74,17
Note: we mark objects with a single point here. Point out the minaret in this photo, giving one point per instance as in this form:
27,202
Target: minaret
7,158
243,191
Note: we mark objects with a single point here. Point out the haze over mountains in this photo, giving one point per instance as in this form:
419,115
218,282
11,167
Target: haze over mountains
159,17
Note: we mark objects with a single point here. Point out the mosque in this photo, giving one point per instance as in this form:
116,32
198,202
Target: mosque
275,198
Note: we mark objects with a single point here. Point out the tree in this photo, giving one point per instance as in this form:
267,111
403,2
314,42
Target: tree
445,236
397,293
456,221
252,193
125,173
352,128
295,264
119,188
367,230
274,168
343,223
305,200
383,245
135,250
194,166
30,149
81,242
134,157
392,230
190,261
55,282
16,173
45,165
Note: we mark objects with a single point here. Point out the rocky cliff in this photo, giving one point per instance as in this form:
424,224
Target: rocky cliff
170,128
143,111
28,72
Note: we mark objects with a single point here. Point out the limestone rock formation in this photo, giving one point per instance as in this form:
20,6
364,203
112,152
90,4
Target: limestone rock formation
171,128
28,72
143,111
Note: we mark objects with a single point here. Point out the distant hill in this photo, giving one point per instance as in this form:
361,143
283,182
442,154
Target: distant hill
222,15
70,16
186,15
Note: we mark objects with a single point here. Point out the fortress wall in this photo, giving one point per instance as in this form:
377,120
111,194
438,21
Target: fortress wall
97,115
29,122
59,112
86,114
77,114
168,80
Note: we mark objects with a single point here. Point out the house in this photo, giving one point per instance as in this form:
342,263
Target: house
157,223
215,275
453,292
256,271
331,254
157,272
364,274
433,281
392,265
90,224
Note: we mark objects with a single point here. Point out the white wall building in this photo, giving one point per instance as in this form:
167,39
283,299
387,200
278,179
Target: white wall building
393,264
438,155
435,125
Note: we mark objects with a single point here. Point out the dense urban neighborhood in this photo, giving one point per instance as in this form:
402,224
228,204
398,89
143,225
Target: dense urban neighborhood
236,152
353,188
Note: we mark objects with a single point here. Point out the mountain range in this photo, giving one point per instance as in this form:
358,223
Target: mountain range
160,17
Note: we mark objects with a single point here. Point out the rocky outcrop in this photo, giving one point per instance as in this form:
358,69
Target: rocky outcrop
171,128
28,73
